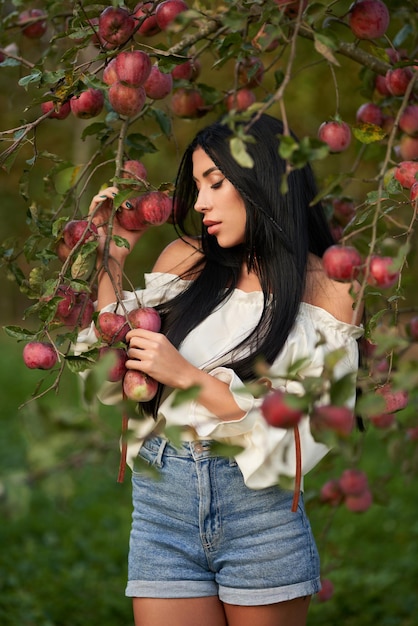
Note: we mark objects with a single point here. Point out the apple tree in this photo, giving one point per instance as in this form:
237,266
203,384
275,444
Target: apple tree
108,94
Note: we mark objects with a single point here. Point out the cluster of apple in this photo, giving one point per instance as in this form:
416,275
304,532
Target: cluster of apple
351,488
284,410
111,330
130,76
76,309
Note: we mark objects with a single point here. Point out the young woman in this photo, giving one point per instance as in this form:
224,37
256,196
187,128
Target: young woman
242,296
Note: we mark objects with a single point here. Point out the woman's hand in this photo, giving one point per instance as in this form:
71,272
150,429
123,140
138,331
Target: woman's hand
152,353
101,208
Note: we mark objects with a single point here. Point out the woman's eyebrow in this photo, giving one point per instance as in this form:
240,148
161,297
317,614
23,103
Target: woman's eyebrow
209,171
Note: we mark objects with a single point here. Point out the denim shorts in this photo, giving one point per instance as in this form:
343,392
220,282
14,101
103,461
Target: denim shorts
198,530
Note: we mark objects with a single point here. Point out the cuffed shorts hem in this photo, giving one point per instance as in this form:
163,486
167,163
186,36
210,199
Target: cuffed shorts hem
257,597
171,589
240,597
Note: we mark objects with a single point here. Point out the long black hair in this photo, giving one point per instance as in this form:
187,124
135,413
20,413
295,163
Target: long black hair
281,229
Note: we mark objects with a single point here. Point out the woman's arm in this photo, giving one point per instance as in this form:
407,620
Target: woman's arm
153,354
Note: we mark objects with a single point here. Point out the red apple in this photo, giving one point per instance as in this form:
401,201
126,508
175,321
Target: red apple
189,70
151,209
33,23
408,148
278,412
87,104
327,590
331,493
144,13
134,170
188,103
353,482
109,73
133,67
343,209
359,503
116,25
111,327
167,11
240,100
59,110
336,134
381,272
158,84
79,230
383,420
39,355
395,400
381,85
412,325
412,433
117,368
138,386
131,218
341,262
291,7
406,173
156,207
369,19
408,122
62,250
370,113
397,80
145,317
250,72
75,308
125,100
340,419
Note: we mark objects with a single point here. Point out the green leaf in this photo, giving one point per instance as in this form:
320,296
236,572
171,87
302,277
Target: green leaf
21,334
34,77
163,120
224,449
239,152
83,265
121,242
334,357
323,45
186,395
66,178
368,133
342,390
370,404
77,364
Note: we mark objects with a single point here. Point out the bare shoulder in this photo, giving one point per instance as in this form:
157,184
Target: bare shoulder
179,256
337,298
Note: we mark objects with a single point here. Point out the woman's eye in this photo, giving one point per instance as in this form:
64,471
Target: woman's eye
218,184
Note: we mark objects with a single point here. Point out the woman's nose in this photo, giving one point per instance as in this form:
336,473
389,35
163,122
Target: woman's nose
202,202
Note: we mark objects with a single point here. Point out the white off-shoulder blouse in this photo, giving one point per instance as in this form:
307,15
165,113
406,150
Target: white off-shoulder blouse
268,452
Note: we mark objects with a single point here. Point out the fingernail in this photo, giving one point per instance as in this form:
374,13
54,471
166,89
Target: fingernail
129,205
102,196
113,193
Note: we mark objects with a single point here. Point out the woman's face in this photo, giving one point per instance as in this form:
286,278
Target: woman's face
218,201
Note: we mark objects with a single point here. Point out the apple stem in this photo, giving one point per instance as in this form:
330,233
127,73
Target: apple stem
124,448
298,477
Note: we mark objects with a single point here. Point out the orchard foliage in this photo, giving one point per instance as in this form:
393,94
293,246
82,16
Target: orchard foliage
135,81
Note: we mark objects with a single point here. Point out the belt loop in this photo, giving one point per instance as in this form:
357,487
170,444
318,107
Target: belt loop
159,458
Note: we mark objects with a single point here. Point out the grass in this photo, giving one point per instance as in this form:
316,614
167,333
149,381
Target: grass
65,519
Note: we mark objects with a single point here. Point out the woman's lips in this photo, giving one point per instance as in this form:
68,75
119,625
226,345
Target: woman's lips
212,227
